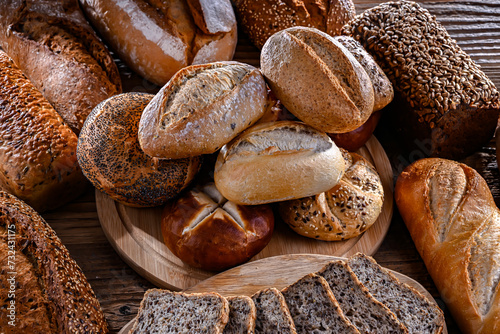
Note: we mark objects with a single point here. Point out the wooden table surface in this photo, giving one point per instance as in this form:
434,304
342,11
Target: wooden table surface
476,27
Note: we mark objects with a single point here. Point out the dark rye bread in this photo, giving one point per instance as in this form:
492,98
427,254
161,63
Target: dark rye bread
413,309
444,99
358,305
164,311
58,51
52,294
242,314
273,315
313,307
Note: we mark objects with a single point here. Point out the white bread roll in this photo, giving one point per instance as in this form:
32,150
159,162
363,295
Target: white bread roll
277,161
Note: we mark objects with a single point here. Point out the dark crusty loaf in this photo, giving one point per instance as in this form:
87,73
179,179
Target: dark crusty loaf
242,313
52,294
273,315
313,307
359,306
58,51
164,311
37,150
413,309
446,98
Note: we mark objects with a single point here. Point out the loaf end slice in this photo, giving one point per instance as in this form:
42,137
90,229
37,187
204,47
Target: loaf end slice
365,312
313,307
164,311
413,309
273,315
242,314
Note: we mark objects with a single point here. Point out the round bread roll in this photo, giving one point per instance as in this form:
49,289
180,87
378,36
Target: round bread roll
109,154
261,19
343,212
202,108
276,161
206,231
355,139
158,38
317,79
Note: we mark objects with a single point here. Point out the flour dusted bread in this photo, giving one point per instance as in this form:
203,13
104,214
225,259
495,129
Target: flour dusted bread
273,315
277,161
455,224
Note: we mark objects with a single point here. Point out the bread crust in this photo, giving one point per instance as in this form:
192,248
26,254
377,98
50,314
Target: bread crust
455,224
60,292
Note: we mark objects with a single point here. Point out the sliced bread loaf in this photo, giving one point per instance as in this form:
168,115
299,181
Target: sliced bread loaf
273,316
164,312
313,307
358,305
413,309
242,313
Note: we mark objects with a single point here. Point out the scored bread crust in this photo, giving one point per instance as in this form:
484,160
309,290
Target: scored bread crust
455,225
60,292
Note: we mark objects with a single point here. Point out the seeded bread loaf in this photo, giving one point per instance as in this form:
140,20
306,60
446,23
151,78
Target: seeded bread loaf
359,306
242,313
52,295
342,212
273,315
58,51
37,149
261,19
411,308
444,97
455,225
167,312
313,307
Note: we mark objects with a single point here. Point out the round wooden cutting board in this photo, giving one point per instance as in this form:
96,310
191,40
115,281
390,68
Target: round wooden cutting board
135,233
276,271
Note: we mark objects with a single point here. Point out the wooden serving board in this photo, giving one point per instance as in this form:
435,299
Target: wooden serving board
276,271
135,233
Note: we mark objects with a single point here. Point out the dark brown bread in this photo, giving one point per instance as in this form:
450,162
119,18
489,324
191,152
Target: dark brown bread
273,315
52,294
58,51
37,150
444,97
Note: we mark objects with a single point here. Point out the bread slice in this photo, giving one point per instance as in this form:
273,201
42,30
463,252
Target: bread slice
273,316
242,314
313,307
359,306
413,309
164,311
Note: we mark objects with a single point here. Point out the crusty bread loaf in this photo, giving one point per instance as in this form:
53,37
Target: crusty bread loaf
313,307
273,315
359,306
277,161
158,38
444,97
455,224
54,46
342,212
242,313
167,312
51,292
317,79
202,108
414,310
37,149
261,19
111,158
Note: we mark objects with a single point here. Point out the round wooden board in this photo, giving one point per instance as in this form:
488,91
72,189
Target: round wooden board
276,271
135,234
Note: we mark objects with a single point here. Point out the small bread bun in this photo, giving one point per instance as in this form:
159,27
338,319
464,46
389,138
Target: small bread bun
355,139
343,212
276,161
206,231
109,154
202,108
317,79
